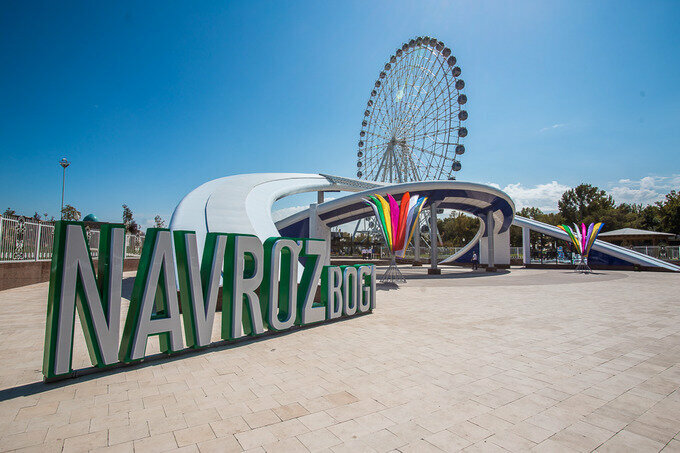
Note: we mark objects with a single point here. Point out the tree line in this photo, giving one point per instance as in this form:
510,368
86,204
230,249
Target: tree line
584,203
71,213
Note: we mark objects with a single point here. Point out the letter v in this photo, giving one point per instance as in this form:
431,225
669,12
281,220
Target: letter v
198,289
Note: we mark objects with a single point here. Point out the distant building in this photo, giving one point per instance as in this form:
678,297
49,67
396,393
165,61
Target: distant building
632,237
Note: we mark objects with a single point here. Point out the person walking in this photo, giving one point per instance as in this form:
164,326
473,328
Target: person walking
475,261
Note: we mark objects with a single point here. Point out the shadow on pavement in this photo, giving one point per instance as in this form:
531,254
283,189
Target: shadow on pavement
453,275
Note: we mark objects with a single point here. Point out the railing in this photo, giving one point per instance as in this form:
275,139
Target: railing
24,239
516,253
670,252
442,252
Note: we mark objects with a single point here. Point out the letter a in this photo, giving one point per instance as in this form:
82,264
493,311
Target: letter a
154,309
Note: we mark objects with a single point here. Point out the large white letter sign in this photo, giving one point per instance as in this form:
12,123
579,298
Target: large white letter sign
278,293
350,286
363,288
373,279
241,261
315,253
198,288
154,289
243,265
331,291
73,284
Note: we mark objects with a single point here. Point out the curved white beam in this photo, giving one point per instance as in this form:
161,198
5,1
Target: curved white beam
464,196
243,203
621,253
469,245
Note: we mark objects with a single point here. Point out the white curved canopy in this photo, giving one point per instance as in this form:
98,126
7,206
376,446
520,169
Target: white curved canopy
243,203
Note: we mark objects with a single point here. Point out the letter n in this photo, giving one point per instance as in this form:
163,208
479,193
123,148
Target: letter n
73,285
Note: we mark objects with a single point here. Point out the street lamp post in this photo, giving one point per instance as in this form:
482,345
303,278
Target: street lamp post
64,163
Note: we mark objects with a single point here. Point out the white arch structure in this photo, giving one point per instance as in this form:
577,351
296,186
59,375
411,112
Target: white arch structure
243,204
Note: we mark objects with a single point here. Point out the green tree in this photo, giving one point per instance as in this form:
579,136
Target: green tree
70,213
159,222
128,220
9,211
458,229
585,203
650,218
530,213
550,218
669,212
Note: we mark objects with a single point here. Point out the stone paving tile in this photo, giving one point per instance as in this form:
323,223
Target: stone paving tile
255,438
317,420
261,418
291,444
220,445
153,444
85,442
529,360
447,441
289,411
126,447
628,441
194,435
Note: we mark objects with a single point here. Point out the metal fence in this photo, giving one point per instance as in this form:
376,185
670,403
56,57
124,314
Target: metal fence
669,252
516,253
24,239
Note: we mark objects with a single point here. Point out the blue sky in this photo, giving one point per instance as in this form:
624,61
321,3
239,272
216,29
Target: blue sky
151,99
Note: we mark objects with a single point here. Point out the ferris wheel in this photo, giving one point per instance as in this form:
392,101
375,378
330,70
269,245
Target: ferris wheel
413,123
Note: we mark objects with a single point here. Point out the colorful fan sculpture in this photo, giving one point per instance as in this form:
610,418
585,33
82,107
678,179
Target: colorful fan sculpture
583,239
397,223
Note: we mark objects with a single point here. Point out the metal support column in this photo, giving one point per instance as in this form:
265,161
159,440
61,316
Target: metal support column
416,243
433,270
319,230
37,243
491,267
526,246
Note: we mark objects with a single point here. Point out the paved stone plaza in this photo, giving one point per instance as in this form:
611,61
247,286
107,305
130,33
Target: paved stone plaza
529,359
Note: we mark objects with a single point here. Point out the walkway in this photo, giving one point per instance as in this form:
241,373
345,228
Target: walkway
529,359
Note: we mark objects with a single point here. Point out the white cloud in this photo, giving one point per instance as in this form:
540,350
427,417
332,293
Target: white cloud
645,191
554,126
542,196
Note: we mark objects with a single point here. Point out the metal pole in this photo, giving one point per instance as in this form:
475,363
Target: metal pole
526,245
491,253
416,243
63,184
433,270
64,163
37,243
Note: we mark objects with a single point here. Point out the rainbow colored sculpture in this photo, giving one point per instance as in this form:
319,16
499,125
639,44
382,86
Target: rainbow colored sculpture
583,240
397,223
